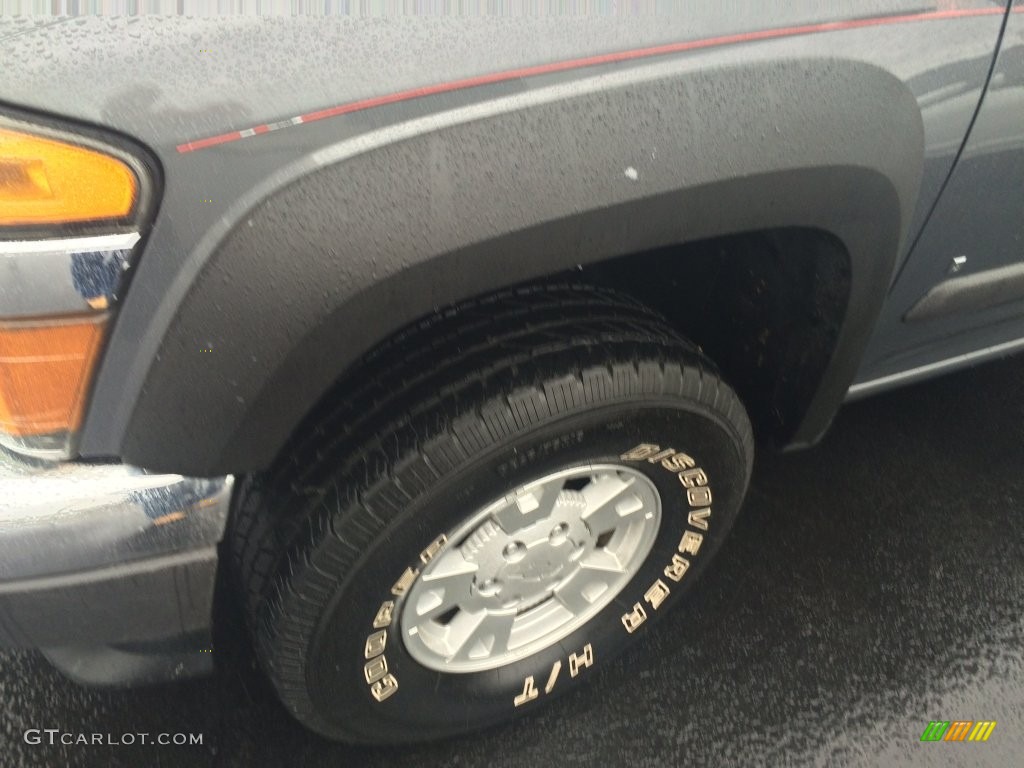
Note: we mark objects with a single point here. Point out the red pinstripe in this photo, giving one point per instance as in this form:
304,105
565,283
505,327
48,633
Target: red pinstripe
592,61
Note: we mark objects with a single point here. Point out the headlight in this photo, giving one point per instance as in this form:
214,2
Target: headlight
68,224
44,181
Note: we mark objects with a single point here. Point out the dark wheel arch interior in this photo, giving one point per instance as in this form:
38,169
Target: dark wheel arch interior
767,307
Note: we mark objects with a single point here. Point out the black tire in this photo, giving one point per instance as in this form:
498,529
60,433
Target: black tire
443,419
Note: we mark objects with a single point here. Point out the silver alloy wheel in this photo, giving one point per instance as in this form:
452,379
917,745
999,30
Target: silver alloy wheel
530,568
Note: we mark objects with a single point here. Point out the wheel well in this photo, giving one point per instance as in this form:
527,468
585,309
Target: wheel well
339,250
766,306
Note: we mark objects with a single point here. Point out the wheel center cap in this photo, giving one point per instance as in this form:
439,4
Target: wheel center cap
541,564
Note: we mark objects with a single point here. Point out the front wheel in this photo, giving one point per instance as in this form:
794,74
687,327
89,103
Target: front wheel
512,494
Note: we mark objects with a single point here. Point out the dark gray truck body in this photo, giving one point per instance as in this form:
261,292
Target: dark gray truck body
333,234
322,182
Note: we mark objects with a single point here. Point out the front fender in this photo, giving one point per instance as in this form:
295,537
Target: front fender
371,233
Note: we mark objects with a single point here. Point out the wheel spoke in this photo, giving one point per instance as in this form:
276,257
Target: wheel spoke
528,508
602,560
447,585
610,501
582,589
475,636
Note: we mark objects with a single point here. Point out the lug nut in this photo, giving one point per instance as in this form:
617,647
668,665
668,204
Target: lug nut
514,551
559,534
489,588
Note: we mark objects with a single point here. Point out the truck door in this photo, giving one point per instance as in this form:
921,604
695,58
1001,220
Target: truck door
960,295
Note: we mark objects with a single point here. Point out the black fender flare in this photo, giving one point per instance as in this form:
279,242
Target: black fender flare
408,218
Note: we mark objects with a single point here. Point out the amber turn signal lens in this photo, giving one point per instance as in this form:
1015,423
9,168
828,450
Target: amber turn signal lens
45,370
46,181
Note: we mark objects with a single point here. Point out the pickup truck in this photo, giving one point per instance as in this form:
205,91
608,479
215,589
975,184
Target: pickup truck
440,345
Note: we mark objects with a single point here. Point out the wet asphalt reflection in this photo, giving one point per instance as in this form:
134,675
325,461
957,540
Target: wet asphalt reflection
870,585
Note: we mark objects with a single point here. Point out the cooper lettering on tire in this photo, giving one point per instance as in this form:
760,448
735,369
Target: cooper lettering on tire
494,504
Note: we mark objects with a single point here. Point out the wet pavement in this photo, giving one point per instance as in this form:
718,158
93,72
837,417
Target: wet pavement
870,585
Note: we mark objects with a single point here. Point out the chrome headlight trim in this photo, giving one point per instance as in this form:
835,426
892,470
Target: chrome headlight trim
63,276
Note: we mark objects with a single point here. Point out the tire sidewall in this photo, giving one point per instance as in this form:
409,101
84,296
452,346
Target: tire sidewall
428,703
